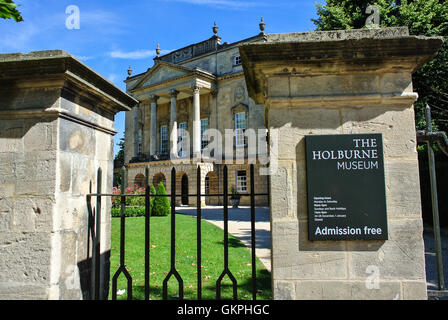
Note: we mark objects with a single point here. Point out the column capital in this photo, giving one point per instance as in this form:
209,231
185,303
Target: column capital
195,87
173,93
153,98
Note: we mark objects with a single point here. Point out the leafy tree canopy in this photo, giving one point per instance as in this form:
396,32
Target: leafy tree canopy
422,17
8,10
120,154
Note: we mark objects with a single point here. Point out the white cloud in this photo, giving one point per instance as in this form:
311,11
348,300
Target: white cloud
138,54
83,58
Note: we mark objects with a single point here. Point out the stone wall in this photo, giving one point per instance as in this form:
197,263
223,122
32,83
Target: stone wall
56,130
27,197
338,83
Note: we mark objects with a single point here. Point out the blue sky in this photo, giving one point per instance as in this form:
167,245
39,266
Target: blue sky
116,34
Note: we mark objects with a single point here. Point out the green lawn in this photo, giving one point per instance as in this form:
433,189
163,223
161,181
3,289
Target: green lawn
212,260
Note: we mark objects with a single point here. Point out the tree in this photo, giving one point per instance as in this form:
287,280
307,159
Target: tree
120,154
8,10
118,162
422,17
162,205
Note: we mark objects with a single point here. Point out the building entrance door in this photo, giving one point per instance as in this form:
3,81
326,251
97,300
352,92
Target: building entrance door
184,190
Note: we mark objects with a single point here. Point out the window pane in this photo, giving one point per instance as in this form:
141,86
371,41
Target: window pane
182,137
239,137
241,182
207,185
139,141
164,139
237,60
204,139
240,126
240,120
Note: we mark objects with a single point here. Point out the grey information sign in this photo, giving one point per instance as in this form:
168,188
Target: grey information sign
345,187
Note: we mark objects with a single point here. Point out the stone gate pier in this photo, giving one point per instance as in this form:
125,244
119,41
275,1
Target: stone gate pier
333,83
56,130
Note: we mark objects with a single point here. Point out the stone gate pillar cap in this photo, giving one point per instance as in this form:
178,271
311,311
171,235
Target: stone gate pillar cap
334,52
58,64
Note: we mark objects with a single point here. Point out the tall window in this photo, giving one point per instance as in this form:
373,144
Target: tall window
240,127
139,141
204,138
164,139
241,181
182,139
207,185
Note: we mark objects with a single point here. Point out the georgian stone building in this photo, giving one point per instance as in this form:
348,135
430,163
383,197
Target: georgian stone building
194,88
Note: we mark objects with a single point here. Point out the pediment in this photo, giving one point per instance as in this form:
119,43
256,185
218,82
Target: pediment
161,72
240,107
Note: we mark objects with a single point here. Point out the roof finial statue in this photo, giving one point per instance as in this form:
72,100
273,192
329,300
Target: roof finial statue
158,50
215,29
262,25
129,71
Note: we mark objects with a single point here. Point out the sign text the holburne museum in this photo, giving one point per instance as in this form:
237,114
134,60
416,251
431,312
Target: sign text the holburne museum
345,187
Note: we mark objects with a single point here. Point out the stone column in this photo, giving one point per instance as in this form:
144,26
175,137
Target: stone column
153,130
173,124
311,84
136,112
196,122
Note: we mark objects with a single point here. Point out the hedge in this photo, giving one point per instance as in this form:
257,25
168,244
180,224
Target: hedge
158,206
162,205
130,212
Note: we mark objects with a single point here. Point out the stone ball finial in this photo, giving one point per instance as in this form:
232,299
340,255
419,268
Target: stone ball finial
262,25
215,29
129,71
158,50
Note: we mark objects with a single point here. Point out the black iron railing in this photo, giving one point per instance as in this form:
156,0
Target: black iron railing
173,271
430,137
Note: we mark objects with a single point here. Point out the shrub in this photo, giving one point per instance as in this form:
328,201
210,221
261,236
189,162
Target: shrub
135,206
130,212
161,204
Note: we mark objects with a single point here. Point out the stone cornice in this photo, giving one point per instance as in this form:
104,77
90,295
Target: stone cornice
53,113
53,63
349,56
230,76
355,100
195,162
198,72
171,81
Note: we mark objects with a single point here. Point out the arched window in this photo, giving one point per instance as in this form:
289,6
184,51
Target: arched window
159,177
